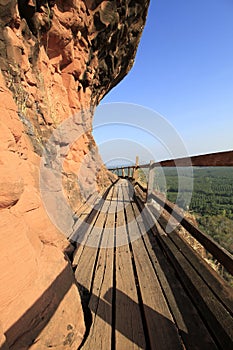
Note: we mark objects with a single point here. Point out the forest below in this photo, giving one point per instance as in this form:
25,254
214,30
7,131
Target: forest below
211,198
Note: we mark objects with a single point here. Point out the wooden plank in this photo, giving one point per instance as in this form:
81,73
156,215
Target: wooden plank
93,239
86,262
93,223
85,221
121,233
129,329
192,330
82,229
101,303
109,229
86,208
162,330
100,336
85,268
83,212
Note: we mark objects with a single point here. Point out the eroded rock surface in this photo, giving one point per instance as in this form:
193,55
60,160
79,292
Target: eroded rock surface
57,60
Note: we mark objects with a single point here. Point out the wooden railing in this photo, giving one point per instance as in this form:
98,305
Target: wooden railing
221,254
224,159
220,159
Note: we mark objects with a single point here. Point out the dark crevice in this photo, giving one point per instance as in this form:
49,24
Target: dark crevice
85,297
27,12
30,10
97,22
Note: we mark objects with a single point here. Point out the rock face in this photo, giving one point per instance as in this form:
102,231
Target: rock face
57,60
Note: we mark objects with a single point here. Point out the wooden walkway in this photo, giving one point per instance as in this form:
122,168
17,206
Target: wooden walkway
139,290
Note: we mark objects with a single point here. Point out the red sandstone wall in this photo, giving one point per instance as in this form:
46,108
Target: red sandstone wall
57,58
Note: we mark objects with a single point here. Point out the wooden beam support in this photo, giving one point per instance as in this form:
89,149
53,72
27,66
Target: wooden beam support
150,182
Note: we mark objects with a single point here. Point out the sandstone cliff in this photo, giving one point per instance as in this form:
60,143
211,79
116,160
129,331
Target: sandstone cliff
57,60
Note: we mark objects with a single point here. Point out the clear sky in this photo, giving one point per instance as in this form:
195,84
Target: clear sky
184,71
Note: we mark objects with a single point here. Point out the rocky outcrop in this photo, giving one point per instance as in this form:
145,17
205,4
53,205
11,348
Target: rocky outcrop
37,284
57,60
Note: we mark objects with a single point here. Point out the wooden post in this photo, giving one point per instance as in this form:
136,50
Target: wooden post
134,176
123,172
128,172
150,180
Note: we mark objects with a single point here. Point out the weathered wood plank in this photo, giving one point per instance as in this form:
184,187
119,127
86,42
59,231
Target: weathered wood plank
192,330
87,258
129,328
100,304
83,213
162,330
109,229
85,229
86,207
85,223
82,229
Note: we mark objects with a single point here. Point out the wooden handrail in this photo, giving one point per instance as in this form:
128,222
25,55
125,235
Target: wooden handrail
212,159
144,189
218,159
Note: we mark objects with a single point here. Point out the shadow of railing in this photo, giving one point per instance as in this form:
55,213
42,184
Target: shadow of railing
104,310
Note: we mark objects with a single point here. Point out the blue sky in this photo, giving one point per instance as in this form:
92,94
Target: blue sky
184,71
